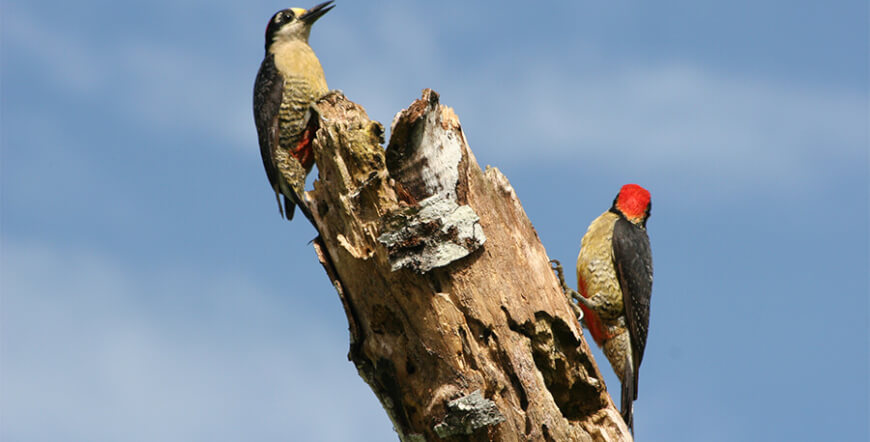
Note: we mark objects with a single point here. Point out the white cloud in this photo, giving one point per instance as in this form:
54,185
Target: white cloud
180,89
730,130
72,64
161,86
93,350
674,117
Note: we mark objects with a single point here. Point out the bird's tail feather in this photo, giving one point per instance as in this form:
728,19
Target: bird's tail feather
289,208
628,395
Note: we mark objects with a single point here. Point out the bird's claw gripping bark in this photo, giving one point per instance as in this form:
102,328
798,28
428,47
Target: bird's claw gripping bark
314,105
577,310
568,291
560,272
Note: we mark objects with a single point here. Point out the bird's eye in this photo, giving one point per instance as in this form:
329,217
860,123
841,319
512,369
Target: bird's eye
284,16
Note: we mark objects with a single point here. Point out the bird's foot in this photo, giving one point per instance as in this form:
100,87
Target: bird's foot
560,273
568,291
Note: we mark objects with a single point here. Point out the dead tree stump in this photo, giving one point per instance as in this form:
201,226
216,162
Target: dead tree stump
456,320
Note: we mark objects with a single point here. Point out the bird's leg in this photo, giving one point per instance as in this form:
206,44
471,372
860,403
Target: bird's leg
577,310
314,105
568,291
560,272
313,113
601,304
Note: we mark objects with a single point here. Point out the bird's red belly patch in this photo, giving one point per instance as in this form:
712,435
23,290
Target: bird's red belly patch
303,151
593,322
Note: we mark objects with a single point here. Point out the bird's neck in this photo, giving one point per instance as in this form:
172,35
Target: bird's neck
294,56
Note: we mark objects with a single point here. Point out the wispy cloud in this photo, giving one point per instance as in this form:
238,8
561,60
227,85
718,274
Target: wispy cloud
674,117
165,87
180,89
108,352
74,66
677,117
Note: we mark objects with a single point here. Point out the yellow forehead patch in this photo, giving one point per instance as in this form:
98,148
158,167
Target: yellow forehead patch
298,11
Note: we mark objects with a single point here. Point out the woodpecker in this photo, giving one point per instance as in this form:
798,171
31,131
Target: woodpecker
614,276
289,82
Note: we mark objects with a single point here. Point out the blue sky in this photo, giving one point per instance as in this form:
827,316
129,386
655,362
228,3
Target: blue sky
151,292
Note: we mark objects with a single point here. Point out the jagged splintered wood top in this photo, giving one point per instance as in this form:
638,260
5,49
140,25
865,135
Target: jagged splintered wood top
456,320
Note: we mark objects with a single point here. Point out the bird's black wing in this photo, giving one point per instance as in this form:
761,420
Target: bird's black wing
268,92
633,262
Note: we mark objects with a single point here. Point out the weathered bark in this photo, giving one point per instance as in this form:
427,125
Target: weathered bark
456,320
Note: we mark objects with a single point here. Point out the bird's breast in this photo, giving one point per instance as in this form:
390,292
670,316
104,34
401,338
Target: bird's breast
595,261
298,64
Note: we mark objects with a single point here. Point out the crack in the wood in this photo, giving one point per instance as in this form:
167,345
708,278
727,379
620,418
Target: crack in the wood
545,430
384,375
385,321
356,333
467,354
568,373
481,331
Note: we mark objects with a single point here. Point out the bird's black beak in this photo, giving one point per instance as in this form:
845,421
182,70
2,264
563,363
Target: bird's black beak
310,16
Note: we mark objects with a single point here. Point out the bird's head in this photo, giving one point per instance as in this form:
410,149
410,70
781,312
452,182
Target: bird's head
633,202
294,23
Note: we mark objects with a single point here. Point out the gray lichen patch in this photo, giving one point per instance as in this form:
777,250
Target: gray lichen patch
425,152
427,159
434,234
467,415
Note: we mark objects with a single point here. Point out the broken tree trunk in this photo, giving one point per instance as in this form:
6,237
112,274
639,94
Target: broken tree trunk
456,320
